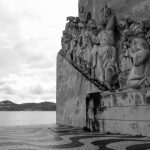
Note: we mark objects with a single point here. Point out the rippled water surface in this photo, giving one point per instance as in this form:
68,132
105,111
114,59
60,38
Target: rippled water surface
13,118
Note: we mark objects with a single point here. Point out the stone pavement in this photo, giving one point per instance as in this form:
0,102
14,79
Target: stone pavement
54,137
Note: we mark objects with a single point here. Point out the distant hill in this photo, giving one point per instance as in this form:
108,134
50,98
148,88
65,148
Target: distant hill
43,106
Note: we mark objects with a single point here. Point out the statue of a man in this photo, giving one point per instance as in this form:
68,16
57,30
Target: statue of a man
105,60
140,53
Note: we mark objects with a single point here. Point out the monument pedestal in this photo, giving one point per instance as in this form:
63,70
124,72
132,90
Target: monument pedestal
125,112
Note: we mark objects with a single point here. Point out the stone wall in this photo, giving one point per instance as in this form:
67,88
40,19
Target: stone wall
72,89
126,112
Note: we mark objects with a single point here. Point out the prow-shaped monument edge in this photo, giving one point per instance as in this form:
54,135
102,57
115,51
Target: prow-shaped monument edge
85,72
103,78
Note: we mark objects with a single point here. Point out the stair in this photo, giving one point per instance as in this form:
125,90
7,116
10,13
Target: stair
84,71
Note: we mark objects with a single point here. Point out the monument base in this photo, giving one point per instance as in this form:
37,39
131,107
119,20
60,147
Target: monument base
125,112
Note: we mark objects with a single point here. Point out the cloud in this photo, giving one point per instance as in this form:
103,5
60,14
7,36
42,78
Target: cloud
7,90
36,90
30,37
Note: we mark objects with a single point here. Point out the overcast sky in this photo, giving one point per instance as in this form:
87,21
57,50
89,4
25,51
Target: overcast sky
30,35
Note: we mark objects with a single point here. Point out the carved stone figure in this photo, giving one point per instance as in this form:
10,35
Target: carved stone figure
111,57
93,34
91,29
125,62
85,44
73,33
140,57
80,43
104,52
65,40
83,15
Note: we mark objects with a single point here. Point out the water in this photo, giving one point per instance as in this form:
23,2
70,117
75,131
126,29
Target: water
13,118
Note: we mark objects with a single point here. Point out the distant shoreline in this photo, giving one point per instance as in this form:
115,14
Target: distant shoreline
43,106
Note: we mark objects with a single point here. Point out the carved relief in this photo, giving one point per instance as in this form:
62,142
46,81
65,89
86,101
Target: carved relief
104,54
140,58
125,60
115,51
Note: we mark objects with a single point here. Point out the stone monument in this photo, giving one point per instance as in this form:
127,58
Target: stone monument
103,68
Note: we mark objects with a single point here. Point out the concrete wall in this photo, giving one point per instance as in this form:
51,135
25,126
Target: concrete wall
126,112
72,89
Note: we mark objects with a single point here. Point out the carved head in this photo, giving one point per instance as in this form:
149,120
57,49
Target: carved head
105,14
107,11
145,22
136,29
70,18
122,24
142,25
81,25
81,9
91,24
76,20
129,19
125,22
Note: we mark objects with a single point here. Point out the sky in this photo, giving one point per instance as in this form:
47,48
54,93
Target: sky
30,38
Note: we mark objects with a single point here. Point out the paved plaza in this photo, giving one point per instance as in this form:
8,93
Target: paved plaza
66,138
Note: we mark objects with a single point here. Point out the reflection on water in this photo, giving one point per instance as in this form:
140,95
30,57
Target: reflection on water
12,118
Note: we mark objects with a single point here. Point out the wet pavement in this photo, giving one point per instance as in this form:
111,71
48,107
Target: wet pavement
54,137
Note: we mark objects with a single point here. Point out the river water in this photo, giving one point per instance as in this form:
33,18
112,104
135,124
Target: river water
13,118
